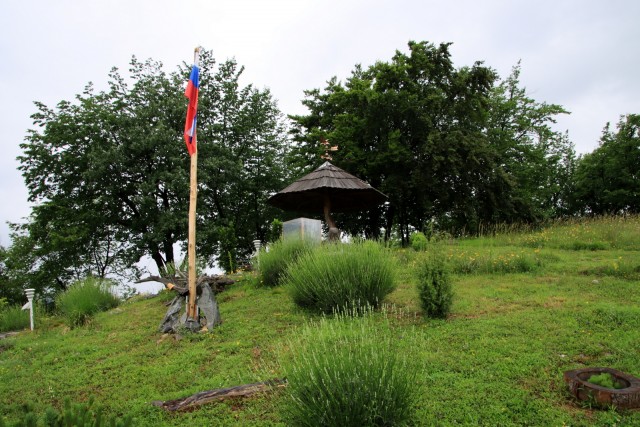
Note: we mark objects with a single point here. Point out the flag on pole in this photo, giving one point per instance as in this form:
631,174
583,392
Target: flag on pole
191,92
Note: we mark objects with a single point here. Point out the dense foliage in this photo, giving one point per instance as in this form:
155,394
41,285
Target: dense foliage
109,172
607,181
445,144
274,261
455,149
12,317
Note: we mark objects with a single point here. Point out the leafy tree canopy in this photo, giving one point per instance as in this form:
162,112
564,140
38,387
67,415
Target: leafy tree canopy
607,180
109,172
444,144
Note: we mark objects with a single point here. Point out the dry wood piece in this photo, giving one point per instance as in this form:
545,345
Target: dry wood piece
206,288
218,394
179,283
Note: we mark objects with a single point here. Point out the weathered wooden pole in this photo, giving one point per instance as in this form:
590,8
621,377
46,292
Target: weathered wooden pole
190,137
191,249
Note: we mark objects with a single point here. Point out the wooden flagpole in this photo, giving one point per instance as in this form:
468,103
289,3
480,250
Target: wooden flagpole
193,198
191,250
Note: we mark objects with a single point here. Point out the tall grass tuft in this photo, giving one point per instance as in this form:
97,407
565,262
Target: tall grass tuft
84,298
434,286
273,263
13,318
584,234
338,276
623,269
348,371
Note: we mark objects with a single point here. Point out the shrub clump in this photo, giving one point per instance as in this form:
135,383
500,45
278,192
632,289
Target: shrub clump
335,277
273,263
434,287
419,241
12,317
85,298
348,371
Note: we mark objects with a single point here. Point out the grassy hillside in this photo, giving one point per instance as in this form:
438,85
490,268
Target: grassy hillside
528,306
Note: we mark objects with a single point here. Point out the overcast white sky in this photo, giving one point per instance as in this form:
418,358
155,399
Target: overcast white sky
583,55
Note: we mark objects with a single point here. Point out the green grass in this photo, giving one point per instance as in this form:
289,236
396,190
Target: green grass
498,358
508,259
13,318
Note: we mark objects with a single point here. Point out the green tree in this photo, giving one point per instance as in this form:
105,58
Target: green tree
415,128
8,291
538,162
450,147
607,180
109,172
25,267
243,166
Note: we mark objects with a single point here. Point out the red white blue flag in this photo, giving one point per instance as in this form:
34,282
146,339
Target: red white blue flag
191,92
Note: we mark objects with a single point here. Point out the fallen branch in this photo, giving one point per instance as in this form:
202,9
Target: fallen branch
169,284
179,284
218,394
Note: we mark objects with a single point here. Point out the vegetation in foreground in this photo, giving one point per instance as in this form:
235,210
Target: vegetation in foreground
497,359
348,371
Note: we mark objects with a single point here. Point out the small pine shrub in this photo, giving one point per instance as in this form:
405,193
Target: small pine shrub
13,318
82,300
338,276
434,287
76,415
419,241
348,371
273,263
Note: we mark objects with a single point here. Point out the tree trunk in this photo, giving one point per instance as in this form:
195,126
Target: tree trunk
159,260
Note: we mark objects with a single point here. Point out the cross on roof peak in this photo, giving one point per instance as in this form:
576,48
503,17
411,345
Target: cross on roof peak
327,148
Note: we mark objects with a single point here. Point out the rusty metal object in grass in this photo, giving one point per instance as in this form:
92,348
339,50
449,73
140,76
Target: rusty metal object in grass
627,396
